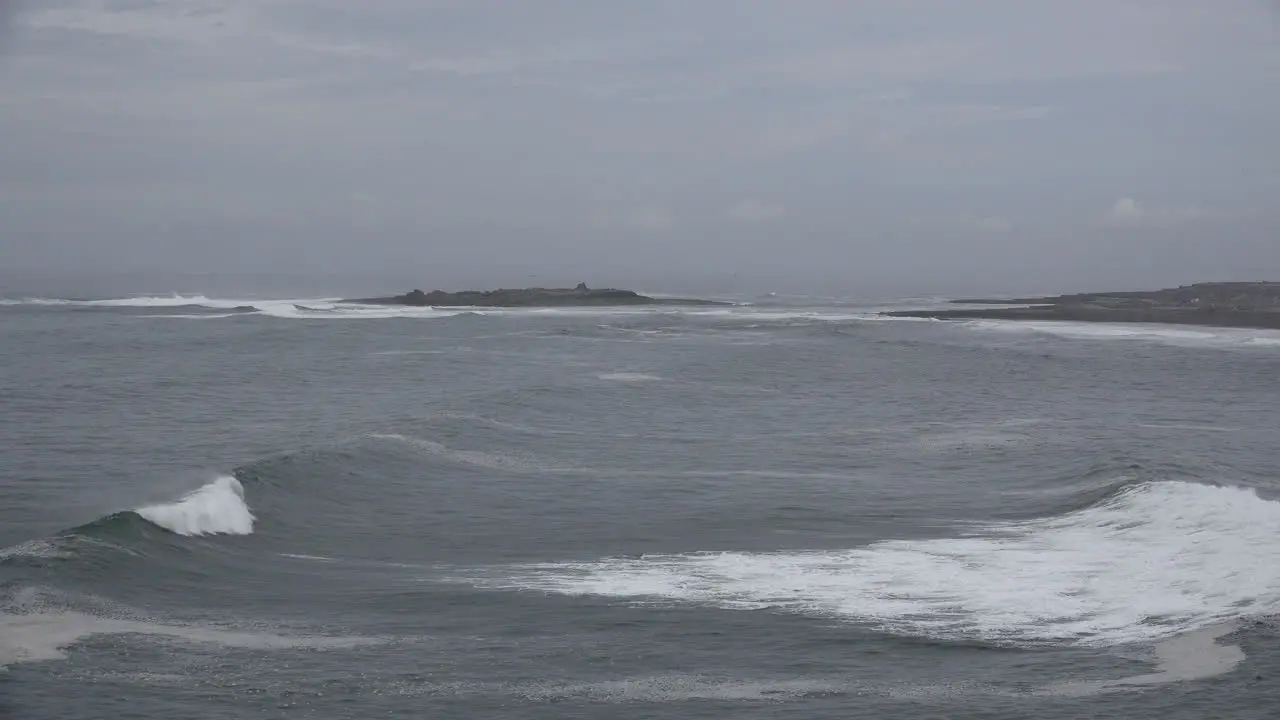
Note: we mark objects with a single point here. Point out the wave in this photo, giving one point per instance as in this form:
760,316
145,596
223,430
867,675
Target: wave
35,637
218,508
1179,336
142,301
294,308
628,377
683,688
1150,561
335,308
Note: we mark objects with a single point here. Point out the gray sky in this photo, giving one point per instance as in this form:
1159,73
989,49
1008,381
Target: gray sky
908,143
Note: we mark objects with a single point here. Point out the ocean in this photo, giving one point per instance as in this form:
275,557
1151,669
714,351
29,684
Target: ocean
257,507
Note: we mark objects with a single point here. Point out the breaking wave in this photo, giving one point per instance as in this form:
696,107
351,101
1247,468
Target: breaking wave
204,307
748,315
1149,562
218,508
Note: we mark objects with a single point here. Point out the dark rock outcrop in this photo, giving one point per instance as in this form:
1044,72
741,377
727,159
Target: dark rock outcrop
1227,304
528,297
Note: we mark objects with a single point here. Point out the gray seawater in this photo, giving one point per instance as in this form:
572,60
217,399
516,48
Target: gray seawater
238,508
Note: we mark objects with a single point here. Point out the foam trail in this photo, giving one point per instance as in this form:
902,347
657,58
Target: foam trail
334,308
1152,562
1194,656
1181,336
34,301
628,377
43,636
684,688
181,316
216,508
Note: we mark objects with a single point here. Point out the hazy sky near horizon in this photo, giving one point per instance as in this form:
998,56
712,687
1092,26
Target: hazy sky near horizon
1005,142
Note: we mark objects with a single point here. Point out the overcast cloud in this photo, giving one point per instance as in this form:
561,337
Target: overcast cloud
890,143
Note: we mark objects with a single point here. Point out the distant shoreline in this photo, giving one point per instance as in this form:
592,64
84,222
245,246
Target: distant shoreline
1253,305
581,296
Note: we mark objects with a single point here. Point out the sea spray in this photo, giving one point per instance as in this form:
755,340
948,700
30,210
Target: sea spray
1152,561
218,508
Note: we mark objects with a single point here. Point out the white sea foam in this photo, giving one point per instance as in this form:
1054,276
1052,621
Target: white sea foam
35,637
1154,561
38,625
189,316
693,687
1178,335
333,308
1189,427
174,300
1193,656
217,508
683,688
44,548
628,377
295,308
34,301
151,301
329,310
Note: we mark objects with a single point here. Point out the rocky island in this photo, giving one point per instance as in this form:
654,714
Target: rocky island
529,297
1220,304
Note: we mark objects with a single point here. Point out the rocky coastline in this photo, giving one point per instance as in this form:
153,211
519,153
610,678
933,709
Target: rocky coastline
580,296
1218,304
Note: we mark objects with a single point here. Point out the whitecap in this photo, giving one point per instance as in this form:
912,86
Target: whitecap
1175,335
218,508
1154,561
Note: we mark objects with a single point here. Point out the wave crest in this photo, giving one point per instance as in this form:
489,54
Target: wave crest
1151,561
218,508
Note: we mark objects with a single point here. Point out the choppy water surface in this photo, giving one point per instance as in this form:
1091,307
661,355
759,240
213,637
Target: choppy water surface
229,508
